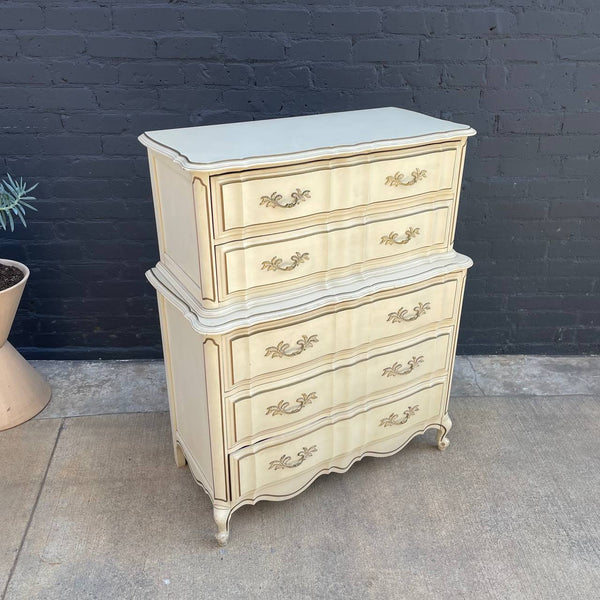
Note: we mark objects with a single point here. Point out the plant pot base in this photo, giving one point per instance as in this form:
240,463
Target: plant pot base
23,391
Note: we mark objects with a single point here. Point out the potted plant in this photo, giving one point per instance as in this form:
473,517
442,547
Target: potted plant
23,391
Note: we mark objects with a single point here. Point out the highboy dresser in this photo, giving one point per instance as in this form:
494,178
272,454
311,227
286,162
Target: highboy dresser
308,291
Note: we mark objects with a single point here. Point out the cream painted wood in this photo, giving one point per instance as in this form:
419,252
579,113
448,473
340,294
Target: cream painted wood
285,261
285,198
304,332
314,449
341,329
363,378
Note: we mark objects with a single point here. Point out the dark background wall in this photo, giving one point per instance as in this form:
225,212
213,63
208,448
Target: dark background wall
79,80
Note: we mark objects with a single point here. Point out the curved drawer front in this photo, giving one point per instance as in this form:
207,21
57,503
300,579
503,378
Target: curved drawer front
372,376
304,455
299,342
271,264
283,198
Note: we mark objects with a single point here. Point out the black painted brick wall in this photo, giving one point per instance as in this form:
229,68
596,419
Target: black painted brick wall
81,79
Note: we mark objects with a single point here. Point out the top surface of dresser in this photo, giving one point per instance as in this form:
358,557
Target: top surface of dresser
254,143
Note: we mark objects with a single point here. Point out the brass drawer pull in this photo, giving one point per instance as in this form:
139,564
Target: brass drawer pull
283,406
282,349
275,199
402,313
275,264
396,179
392,237
396,368
393,418
285,462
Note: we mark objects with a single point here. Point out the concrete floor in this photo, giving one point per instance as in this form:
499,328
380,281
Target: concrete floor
94,507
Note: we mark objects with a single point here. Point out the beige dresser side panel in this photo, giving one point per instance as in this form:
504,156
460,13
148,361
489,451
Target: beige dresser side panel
188,393
179,223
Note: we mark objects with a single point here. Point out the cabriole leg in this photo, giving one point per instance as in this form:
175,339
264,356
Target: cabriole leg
442,440
221,516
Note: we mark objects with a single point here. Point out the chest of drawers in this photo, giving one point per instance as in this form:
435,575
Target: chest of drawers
308,292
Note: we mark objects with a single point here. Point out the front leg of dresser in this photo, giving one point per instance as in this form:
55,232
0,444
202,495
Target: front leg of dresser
180,459
221,516
442,440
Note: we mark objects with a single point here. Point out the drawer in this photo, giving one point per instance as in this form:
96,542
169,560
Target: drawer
358,380
284,198
332,443
295,344
270,264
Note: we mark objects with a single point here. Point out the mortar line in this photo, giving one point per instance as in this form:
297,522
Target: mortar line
33,509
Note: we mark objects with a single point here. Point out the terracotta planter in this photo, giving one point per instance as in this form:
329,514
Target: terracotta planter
23,391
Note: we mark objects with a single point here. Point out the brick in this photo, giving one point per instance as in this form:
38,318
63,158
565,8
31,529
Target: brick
22,17
221,74
319,50
417,76
530,123
83,72
127,99
340,22
253,48
19,70
569,144
461,75
285,76
173,99
69,144
19,121
120,46
62,98
290,20
95,123
262,101
146,18
415,22
85,18
430,101
148,74
52,44
542,76
200,46
478,23
575,208
9,45
574,249
530,50
578,48
453,49
582,122
354,77
550,22
385,50
511,100
212,19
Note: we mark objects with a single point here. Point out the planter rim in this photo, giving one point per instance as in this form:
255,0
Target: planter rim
21,267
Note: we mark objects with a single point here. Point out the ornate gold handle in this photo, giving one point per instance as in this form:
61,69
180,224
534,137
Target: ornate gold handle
396,179
393,419
283,406
396,368
282,349
402,313
392,237
275,199
285,462
275,264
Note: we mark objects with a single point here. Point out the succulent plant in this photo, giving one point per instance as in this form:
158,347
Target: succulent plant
13,196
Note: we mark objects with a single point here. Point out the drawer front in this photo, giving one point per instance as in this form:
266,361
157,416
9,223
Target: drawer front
271,264
284,198
367,378
299,343
308,453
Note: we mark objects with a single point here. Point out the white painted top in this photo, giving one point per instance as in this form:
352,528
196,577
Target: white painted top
214,147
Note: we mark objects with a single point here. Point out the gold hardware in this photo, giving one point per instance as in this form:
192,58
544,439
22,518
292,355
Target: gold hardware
274,200
393,418
395,180
282,408
282,349
275,264
396,368
285,461
392,237
402,313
